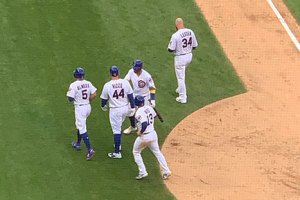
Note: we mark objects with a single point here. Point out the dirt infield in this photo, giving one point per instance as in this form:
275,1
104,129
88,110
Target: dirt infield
247,146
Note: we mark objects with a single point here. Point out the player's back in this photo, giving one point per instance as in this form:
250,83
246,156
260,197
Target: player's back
116,92
185,41
146,113
81,90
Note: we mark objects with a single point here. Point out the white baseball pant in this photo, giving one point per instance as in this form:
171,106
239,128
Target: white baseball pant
81,114
117,117
148,140
181,63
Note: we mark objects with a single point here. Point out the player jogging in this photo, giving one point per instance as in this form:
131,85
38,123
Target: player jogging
147,137
81,92
182,42
118,93
143,85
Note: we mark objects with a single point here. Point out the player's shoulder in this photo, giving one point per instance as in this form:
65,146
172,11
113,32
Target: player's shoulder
146,73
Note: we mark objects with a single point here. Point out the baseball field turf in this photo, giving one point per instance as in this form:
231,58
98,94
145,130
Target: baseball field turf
41,44
294,7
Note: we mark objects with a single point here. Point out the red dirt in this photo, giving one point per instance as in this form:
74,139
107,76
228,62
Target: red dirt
247,146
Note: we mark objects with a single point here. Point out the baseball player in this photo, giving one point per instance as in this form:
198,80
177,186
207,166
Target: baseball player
143,85
119,94
147,137
182,42
81,92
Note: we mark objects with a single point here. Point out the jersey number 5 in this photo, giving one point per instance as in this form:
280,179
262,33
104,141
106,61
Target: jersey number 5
186,42
118,94
84,94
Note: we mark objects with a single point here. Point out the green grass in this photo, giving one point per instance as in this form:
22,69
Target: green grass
294,6
42,42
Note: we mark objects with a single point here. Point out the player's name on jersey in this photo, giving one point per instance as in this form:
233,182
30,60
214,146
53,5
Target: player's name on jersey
188,33
79,87
117,85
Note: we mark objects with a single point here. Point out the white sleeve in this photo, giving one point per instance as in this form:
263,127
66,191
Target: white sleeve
71,92
150,82
128,88
104,94
93,89
195,43
172,43
127,77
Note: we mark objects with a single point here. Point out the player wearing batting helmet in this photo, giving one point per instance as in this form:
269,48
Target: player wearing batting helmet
143,85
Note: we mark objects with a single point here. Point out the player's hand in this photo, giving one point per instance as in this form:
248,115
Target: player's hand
138,133
153,103
104,108
131,112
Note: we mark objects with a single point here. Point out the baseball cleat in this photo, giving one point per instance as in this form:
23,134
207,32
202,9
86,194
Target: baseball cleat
90,154
141,176
129,130
180,100
76,146
165,176
115,155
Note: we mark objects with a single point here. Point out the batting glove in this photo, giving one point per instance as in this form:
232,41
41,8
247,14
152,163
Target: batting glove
104,108
153,103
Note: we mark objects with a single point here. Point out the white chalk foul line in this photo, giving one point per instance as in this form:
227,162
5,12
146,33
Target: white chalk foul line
284,24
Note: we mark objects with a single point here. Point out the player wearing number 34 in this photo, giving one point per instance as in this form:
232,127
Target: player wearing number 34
80,93
182,42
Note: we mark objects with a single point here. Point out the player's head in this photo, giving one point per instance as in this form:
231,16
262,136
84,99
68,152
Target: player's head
139,100
114,71
179,23
78,72
137,65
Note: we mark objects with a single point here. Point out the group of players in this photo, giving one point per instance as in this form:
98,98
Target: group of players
135,100
123,101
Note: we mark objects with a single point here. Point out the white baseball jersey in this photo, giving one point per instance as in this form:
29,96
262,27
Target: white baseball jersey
145,114
116,92
141,83
148,139
183,41
81,90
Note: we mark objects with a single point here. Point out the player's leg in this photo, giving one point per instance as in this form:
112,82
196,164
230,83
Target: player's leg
83,113
132,126
137,149
76,144
116,119
153,146
180,75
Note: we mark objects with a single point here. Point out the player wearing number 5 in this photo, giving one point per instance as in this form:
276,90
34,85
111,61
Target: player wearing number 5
182,42
147,137
119,94
80,93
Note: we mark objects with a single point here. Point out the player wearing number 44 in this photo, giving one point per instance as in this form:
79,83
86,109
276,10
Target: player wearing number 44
119,94
182,42
80,93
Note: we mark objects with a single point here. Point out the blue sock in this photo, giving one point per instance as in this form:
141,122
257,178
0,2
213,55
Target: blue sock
117,140
132,121
78,137
86,140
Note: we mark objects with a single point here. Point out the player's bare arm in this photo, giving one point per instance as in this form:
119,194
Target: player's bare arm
93,96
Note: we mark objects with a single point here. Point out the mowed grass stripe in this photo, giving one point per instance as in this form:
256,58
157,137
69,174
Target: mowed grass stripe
42,43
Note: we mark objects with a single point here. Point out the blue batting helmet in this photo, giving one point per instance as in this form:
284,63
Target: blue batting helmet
78,72
114,71
139,100
137,65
